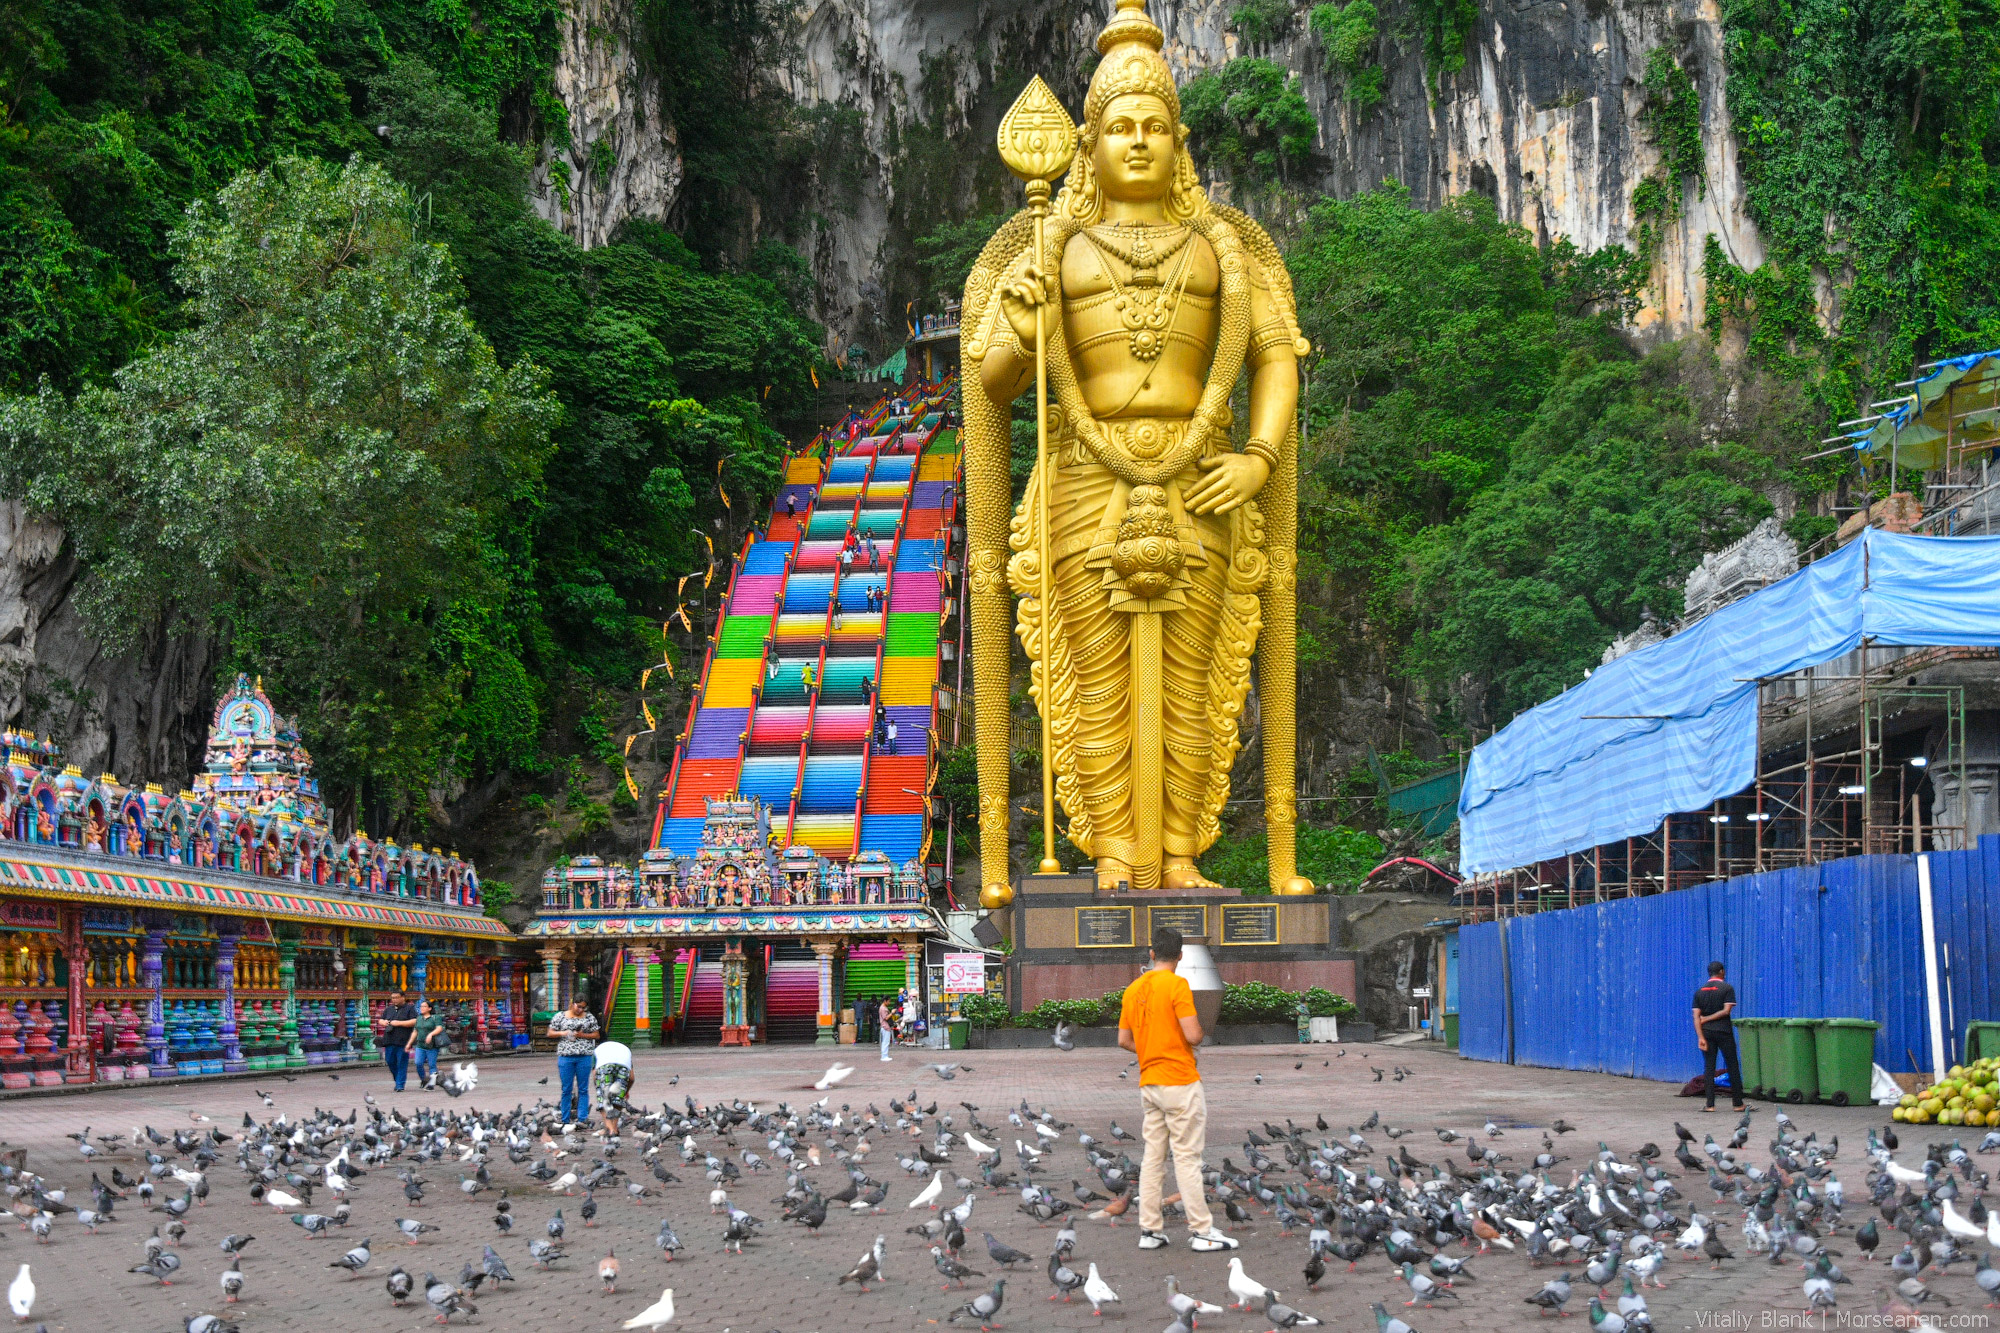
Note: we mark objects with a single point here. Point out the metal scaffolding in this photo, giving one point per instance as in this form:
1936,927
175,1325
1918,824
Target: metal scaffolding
1847,757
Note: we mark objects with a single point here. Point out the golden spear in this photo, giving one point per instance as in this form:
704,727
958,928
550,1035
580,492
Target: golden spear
1037,141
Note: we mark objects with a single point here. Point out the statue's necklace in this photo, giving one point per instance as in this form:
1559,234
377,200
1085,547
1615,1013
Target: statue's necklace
1145,307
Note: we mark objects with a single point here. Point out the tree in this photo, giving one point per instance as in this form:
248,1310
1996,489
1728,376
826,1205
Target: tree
316,464
1626,475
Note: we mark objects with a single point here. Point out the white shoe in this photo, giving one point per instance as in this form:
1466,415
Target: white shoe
1152,1240
887,1059
1211,1240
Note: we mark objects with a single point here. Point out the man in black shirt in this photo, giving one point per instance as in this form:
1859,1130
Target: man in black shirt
398,1021
1714,1030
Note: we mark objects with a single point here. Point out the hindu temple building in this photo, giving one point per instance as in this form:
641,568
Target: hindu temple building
795,870
223,928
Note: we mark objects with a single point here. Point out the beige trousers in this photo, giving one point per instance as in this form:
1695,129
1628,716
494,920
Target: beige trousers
1176,1117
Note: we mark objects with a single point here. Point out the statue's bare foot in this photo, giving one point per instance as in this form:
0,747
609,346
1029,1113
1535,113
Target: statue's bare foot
1111,872
1180,872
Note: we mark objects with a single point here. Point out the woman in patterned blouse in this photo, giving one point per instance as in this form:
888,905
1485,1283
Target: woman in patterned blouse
576,1038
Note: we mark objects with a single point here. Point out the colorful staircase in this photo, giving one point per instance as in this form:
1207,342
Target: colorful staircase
864,629
621,1022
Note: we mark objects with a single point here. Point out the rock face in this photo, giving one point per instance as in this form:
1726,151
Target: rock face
142,715
1544,118
621,159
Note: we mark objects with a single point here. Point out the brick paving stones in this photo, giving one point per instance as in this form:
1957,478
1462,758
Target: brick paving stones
786,1280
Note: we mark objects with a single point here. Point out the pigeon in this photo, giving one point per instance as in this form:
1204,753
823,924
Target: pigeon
833,1077
868,1270
232,1282
1099,1293
928,1195
412,1228
1066,1279
21,1294
1603,1320
234,1244
657,1315
400,1285
1246,1289
160,1267
1184,1306
607,1271
1553,1296
447,1299
204,1323
984,1307
355,1259
1388,1323
1284,1316
1062,1039
952,1269
1003,1254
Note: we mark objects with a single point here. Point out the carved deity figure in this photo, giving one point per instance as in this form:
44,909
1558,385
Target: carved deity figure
1172,548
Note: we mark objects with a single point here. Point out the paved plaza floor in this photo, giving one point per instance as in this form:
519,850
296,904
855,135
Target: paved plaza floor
786,1279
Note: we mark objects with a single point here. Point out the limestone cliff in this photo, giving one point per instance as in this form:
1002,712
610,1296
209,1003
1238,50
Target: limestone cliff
1544,118
616,157
142,714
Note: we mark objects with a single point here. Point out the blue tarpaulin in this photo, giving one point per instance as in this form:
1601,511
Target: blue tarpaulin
1610,986
1673,726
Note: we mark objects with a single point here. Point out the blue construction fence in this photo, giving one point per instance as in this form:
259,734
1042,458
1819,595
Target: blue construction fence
1609,987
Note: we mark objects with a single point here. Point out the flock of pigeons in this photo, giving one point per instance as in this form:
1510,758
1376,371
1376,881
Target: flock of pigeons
1615,1218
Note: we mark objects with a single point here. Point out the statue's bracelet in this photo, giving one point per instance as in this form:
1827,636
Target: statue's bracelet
1262,449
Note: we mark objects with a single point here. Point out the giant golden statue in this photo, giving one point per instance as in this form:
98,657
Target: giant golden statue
1171,552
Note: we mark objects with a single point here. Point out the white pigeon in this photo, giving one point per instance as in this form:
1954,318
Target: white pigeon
281,1201
833,1077
1045,1131
1247,1290
21,1293
1993,1227
983,1149
1028,1149
1098,1292
927,1196
1902,1175
1695,1235
1959,1226
562,1182
656,1315
465,1075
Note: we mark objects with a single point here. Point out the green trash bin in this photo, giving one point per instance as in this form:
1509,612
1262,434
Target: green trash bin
1794,1074
1750,1055
1844,1049
959,1031
1982,1038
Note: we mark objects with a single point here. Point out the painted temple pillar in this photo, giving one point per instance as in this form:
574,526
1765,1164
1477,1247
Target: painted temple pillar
913,957
478,966
735,996
288,980
152,974
81,1065
823,953
552,961
512,1011
420,971
645,1023
364,1022
225,979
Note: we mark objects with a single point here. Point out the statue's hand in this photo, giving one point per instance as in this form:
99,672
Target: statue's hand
1020,292
1232,479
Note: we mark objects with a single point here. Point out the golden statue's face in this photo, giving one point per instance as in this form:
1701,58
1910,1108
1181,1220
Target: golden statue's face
1134,153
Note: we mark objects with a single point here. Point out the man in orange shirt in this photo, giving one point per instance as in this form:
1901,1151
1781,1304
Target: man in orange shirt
1158,1023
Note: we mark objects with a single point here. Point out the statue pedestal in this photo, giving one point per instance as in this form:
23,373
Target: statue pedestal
1074,941
738,1036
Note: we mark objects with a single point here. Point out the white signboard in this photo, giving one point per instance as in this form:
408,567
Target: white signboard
964,973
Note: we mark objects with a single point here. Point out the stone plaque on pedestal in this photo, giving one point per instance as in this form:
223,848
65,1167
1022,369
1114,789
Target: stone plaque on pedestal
1104,928
1074,941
